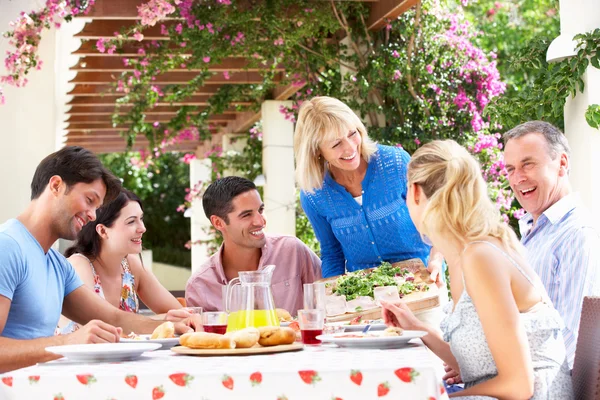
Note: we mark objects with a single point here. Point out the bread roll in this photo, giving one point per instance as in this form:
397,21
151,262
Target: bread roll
275,335
245,338
283,315
163,331
206,340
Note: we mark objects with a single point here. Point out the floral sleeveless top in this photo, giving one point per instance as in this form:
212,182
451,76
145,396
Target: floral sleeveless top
128,301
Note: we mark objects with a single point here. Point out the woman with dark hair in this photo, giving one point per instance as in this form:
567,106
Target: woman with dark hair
107,258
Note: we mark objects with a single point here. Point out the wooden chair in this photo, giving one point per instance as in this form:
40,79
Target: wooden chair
586,368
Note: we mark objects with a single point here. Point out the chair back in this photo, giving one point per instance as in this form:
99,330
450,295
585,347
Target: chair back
586,368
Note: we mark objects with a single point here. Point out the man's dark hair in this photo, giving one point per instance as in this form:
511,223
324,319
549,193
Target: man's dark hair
218,197
88,240
74,165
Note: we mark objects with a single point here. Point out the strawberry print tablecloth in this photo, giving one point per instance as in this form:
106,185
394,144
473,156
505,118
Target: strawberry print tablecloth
315,373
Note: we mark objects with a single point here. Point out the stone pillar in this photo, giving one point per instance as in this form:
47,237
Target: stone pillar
278,169
200,170
575,17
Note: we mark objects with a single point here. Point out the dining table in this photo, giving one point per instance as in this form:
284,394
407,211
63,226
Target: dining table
316,372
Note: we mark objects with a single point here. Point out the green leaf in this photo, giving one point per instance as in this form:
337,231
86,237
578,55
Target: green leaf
592,116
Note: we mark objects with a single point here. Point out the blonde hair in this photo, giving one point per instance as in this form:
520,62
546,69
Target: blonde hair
321,119
458,199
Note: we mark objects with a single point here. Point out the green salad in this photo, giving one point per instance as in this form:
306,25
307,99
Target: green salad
361,283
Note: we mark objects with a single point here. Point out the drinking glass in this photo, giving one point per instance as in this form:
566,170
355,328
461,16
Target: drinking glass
194,310
215,322
314,296
311,325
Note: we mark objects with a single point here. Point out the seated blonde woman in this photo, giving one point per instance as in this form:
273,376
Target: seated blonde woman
106,257
502,334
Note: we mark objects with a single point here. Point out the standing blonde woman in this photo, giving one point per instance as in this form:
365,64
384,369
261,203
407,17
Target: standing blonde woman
354,192
503,334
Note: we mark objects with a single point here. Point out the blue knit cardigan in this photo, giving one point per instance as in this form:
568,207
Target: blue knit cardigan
355,237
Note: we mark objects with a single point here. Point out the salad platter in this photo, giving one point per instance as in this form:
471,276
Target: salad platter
354,295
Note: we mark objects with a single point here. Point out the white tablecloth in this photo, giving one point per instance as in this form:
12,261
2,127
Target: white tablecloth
315,373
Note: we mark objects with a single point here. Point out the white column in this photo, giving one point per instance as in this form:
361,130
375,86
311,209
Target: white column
576,17
27,120
200,170
278,169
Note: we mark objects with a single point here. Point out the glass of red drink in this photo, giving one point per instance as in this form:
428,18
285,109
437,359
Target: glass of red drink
215,322
311,325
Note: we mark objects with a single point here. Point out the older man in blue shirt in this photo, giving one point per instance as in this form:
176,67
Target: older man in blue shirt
563,246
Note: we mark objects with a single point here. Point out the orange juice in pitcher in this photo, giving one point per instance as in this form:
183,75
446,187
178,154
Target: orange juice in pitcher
244,318
249,300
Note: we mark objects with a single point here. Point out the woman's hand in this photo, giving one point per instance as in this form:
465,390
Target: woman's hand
191,324
178,314
399,315
434,267
452,376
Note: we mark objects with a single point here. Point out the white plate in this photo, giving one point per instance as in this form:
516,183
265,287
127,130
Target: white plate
165,343
375,326
103,351
372,341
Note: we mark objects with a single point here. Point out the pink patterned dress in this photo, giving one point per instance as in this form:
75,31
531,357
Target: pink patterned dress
128,301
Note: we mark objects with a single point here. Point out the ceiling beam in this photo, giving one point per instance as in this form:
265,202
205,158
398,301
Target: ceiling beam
106,28
109,110
387,10
108,90
108,126
107,119
127,9
106,100
246,120
116,147
115,64
241,77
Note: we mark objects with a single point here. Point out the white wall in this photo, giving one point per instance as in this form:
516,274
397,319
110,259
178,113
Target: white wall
27,120
31,121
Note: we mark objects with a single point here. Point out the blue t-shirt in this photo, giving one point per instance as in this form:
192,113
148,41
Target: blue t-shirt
34,281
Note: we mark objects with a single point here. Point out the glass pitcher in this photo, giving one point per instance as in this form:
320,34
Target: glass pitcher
253,303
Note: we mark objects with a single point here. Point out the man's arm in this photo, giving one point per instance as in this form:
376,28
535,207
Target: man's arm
23,353
82,305
579,275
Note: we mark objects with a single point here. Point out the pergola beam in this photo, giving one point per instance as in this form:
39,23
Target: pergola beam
110,110
107,119
245,120
116,64
107,28
180,77
383,11
108,90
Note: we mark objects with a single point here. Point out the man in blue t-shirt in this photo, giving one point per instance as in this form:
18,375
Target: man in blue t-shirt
37,283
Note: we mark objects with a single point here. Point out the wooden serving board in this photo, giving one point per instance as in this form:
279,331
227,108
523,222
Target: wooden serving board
257,349
416,301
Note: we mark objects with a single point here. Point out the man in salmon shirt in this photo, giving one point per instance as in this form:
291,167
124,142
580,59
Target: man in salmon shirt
235,209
